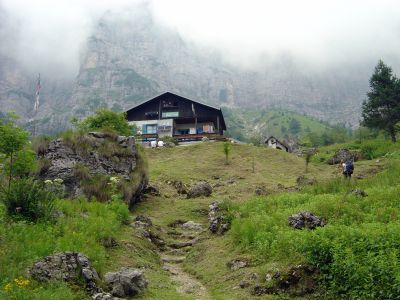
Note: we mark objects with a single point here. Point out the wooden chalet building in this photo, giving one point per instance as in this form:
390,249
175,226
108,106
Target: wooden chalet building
175,116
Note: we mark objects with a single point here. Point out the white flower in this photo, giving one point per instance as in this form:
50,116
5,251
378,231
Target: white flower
48,181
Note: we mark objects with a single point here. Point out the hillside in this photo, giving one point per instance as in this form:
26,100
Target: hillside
198,271
255,124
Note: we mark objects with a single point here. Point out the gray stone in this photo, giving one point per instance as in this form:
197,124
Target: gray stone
359,192
190,225
64,156
202,188
238,263
305,220
126,283
216,219
71,267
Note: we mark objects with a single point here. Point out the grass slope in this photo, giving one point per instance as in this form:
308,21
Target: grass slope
83,225
247,124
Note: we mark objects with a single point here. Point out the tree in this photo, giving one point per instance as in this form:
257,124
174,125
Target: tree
381,110
294,126
105,120
13,139
227,149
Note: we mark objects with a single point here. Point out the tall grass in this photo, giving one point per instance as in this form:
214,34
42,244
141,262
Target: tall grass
358,251
81,227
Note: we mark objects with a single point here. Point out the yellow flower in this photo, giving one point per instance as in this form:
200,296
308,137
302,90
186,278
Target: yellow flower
8,287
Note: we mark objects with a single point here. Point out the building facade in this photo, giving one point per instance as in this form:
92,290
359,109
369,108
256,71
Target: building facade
175,116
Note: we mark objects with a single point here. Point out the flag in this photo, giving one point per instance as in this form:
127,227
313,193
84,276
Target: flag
36,107
194,112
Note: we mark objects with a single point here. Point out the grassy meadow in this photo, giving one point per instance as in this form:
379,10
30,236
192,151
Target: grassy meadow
357,251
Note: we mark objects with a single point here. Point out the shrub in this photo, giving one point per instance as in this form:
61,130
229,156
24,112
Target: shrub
28,199
106,120
97,187
40,144
227,150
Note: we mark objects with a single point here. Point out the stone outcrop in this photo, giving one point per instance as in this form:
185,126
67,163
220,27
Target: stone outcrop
127,282
71,267
343,155
200,189
217,222
97,153
305,220
297,281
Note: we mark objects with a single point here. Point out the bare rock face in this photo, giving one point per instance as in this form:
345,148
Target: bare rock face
305,220
126,283
99,153
202,188
71,267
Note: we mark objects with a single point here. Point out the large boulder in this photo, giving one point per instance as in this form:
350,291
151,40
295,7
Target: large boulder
305,220
126,283
97,153
71,267
202,188
344,155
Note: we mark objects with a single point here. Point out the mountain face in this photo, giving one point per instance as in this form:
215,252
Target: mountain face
129,58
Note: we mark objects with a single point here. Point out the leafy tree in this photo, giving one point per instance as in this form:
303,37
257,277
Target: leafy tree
227,149
294,126
105,120
381,110
13,139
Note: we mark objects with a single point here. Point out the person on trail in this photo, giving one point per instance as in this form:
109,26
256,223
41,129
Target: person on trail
347,168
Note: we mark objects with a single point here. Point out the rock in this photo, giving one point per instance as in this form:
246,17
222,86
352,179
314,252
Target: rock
151,190
216,219
237,264
144,220
154,238
297,281
179,186
190,225
359,192
109,242
302,180
344,154
103,296
244,284
260,191
305,220
126,283
202,188
180,245
71,267
64,156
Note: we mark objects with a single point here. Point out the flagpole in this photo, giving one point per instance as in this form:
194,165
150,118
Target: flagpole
36,105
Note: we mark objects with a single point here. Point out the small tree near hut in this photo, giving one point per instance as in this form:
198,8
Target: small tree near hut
227,150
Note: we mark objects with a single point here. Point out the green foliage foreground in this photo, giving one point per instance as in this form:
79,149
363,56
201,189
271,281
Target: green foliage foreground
358,251
81,227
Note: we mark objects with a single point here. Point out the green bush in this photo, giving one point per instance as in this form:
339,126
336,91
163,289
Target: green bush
28,199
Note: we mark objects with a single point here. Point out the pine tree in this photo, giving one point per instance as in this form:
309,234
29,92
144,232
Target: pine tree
381,110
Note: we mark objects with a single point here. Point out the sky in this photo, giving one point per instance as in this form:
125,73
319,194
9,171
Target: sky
318,33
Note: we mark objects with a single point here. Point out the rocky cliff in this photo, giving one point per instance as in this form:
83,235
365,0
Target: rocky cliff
129,58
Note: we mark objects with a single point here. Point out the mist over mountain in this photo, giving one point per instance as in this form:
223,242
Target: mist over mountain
129,55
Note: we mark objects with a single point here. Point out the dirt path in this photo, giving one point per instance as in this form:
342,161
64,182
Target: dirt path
182,240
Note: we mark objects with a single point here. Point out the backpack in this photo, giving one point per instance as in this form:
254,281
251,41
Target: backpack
349,167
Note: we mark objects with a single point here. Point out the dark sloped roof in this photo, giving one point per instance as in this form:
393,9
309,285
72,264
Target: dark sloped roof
175,95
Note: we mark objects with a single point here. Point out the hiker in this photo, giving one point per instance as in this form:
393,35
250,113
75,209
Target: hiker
347,168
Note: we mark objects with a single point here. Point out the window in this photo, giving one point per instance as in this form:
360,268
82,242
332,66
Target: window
151,129
170,114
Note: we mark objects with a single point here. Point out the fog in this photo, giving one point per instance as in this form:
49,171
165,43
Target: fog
50,35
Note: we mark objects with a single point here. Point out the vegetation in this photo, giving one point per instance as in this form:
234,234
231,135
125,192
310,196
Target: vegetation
105,120
227,149
382,108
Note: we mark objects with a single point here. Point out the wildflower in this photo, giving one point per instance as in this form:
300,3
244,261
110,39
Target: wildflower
48,181
114,179
8,287
58,181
